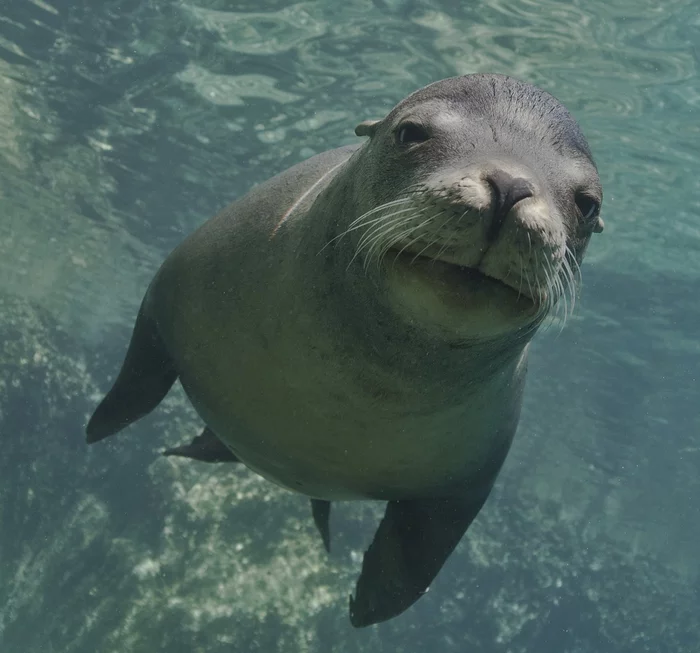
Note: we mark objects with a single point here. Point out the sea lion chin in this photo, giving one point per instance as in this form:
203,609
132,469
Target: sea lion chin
454,301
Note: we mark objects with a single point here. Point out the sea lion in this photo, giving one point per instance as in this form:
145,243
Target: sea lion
357,327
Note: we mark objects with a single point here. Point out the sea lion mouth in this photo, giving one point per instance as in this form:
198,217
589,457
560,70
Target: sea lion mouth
458,275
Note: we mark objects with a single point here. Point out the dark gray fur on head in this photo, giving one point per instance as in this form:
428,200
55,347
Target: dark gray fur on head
507,103
492,117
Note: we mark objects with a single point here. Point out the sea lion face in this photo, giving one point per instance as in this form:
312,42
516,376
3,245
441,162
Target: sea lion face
479,197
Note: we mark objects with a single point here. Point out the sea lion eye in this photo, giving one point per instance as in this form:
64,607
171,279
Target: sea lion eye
588,207
410,132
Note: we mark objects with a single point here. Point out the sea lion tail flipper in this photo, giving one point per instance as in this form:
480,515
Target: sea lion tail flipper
412,543
321,512
146,376
205,447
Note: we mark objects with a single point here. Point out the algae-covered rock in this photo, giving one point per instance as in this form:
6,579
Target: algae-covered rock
112,548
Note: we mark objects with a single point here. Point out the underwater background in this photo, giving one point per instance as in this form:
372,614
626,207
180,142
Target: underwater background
125,124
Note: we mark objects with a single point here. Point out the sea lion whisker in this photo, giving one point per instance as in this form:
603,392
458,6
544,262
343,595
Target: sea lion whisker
383,226
377,209
569,285
568,280
520,273
398,237
553,290
554,305
422,225
576,267
563,298
375,220
428,246
379,246
575,273
365,246
543,311
573,266
559,299
390,222
349,230
409,242
413,189
392,243
380,207
385,222
369,235
444,246
542,290
379,235
527,280
393,239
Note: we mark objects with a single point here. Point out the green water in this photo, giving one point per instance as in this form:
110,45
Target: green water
124,125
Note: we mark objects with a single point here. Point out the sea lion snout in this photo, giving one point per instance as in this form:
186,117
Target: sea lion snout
492,187
507,191
460,213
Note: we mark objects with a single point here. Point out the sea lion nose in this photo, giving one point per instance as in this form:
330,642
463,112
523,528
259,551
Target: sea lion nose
507,192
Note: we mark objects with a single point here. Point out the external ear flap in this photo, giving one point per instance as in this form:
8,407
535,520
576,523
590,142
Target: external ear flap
366,128
599,225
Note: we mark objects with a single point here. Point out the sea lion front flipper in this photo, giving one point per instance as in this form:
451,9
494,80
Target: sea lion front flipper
206,447
412,543
146,376
321,511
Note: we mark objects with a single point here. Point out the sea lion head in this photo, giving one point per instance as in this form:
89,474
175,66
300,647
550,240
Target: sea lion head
475,200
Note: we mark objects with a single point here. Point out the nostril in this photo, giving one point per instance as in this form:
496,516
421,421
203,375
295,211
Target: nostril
507,192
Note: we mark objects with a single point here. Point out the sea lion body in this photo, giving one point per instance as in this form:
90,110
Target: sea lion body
357,327
299,393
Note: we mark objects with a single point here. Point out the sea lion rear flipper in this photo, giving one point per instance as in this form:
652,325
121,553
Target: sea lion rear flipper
321,511
413,541
146,376
206,447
